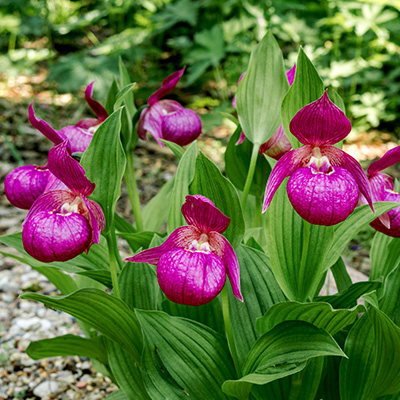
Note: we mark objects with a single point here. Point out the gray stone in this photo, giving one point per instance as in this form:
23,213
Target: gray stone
46,388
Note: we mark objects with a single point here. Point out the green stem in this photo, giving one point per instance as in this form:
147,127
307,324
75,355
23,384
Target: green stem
133,191
114,267
250,174
228,329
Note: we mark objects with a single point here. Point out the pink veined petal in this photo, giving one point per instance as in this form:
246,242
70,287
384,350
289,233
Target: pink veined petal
241,138
87,123
285,167
277,146
380,183
98,214
69,171
53,183
44,128
181,237
290,74
320,123
78,138
202,213
94,218
97,108
223,249
140,129
341,159
152,122
51,201
390,158
168,85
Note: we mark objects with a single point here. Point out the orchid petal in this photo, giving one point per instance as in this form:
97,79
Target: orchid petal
96,220
202,213
152,123
181,237
290,74
97,108
320,123
168,85
339,158
87,123
277,146
44,128
69,171
53,183
390,158
223,249
78,138
285,167
241,138
140,128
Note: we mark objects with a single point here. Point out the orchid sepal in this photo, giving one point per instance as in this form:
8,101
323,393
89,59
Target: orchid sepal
390,158
169,84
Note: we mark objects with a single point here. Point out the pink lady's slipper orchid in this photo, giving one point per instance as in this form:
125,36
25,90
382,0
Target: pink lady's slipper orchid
167,119
279,144
383,190
325,182
25,184
80,135
193,262
62,224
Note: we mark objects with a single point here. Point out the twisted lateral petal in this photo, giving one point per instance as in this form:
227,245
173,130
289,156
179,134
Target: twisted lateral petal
25,184
390,158
285,167
290,74
202,213
180,237
223,249
151,121
341,159
277,146
96,220
44,128
97,108
78,138
181,127
168,85
320,123
69,171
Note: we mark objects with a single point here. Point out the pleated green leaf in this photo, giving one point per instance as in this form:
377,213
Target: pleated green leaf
196,357
282,351
341,276
373,366
68,345
209,182
101,276
306,88
296,248
237,162
260,292
390,301
385,255
126,372
104,163
183,178
322,315
175,148
137,240
261,91
117,395
107,314
346,230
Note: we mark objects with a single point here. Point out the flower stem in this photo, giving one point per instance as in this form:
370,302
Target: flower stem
133,191
114,266
250,174
228,329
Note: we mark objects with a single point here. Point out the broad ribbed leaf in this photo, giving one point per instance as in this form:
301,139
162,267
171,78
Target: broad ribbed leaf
237,162
260,292
282,351
111,96
107,314
390,301
179,151
104,164
126,372
341,276
117,395
196,357
183,178
261,91
346,230
348,298
209,182
385,255
306,88
373,366
101,276
137,241
63,282
322,315
68,345
296,248
122,94
139,287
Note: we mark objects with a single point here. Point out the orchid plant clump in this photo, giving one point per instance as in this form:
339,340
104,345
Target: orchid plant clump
164,322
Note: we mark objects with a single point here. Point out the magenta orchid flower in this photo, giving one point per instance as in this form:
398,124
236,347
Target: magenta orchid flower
325,182
279,144
80,134
25,184
382,188
62,224
193,262
167,119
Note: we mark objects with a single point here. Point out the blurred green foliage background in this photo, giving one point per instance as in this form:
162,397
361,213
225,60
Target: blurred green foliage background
354,45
